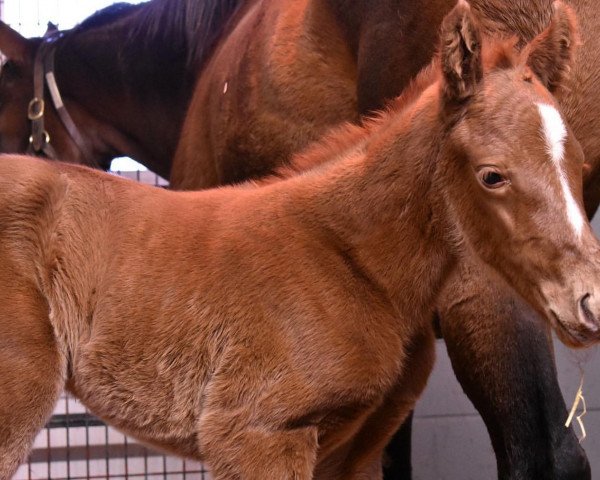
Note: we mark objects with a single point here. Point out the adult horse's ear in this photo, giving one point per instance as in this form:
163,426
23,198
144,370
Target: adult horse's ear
550,54
460,54
13,45
51,28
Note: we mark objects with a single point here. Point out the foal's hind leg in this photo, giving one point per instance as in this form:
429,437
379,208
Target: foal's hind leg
31,369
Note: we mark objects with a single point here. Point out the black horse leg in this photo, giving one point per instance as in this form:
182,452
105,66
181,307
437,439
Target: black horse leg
502,355
397,461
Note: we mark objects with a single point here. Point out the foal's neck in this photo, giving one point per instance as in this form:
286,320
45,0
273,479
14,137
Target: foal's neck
384,207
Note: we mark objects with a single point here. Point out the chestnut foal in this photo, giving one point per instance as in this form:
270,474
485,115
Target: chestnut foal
283,330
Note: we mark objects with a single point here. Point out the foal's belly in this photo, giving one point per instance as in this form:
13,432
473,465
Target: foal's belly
154,398
158,370
157,398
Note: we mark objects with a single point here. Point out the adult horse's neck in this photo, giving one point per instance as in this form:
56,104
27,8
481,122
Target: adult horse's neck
523,18
134,67
137,103
375,30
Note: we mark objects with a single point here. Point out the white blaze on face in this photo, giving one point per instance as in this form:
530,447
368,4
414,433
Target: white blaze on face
555,134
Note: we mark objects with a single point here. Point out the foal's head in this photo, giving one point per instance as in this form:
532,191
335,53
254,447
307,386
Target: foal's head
513,182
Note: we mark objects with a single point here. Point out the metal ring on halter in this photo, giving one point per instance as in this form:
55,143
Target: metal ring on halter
35,110
46,138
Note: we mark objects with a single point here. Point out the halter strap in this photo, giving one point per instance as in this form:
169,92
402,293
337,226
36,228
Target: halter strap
39,141
43,69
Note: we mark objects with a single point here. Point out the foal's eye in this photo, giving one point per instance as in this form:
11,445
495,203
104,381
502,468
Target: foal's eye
491,178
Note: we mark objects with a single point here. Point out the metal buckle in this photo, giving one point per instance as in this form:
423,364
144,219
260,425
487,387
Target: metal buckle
46,138
35,110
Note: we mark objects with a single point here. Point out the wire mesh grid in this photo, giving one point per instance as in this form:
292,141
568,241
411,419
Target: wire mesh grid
75,445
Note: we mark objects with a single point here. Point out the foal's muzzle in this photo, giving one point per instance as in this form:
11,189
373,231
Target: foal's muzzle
579,326
588,312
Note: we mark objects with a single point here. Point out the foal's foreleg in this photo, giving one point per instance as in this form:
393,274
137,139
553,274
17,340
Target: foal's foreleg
31,369
255,452
366,454
501,353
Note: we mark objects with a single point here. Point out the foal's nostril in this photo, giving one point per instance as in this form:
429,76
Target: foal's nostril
586,315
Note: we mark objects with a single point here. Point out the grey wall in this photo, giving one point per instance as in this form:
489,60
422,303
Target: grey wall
450,441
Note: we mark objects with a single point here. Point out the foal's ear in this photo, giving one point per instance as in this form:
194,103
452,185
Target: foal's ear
13,45
550,54
460,54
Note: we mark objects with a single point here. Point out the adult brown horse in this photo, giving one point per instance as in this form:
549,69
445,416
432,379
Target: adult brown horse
380,62
242,338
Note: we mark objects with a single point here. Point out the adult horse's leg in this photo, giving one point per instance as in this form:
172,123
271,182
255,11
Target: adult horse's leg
398,462
31,367
502,356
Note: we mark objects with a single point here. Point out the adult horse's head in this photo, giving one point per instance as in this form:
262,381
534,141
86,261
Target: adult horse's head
517,194
125,76
33,116
16,89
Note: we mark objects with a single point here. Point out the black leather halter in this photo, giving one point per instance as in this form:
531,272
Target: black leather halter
43,75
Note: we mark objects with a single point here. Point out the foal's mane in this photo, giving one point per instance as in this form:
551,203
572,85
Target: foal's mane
341,141
189,27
